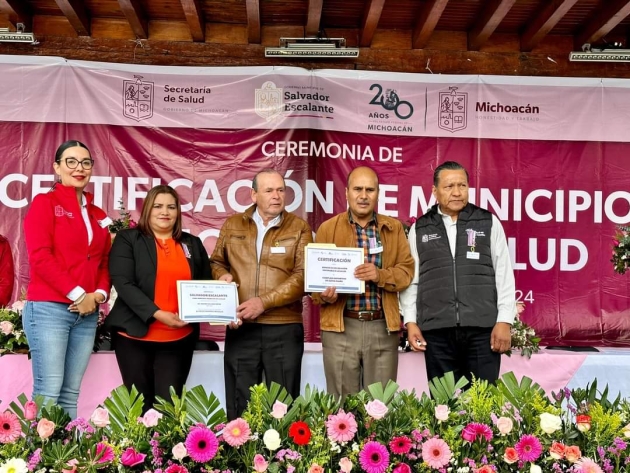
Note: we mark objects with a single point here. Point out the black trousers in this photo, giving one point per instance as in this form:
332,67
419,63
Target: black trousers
153,367
463,350
256,349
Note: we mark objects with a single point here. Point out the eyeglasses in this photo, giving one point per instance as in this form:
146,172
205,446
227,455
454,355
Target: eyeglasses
72,163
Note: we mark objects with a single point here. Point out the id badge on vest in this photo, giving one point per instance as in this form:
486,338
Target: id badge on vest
375,247
472,237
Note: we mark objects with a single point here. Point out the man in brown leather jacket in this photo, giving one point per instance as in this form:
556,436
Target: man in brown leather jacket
360,331
262,250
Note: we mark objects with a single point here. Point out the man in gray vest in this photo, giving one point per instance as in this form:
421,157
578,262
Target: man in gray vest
460,306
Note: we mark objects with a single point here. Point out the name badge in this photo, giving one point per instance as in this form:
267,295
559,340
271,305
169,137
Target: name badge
374,251
186,250
472,255
278,250
106,222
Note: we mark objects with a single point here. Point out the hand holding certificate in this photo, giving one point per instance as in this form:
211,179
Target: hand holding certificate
329,266
207,301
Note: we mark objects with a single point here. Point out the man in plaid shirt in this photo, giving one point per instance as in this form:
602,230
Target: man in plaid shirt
360,332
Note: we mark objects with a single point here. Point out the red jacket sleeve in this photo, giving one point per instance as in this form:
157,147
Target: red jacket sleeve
38,232
7,272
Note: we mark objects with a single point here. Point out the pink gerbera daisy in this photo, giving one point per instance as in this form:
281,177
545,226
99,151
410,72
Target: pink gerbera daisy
586,465
10,428
176,469
374,457
201,444
402,468
104,453
236,432
474,430
341,427
400,445
528,448
435,453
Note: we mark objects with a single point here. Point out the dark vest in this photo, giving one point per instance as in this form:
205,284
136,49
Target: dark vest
461,290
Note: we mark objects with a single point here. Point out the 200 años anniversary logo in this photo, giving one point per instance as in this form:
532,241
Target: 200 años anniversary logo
393,109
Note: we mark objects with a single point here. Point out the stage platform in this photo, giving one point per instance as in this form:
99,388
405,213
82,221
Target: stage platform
552,369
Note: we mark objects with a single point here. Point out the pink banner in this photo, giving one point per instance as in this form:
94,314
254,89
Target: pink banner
559,197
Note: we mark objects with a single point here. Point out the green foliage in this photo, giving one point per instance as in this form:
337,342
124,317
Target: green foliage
480,401
124,408
381,414
444,389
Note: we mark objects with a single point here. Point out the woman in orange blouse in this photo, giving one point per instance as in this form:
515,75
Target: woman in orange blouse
154,348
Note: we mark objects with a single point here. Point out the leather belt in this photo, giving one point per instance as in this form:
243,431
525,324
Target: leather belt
364,315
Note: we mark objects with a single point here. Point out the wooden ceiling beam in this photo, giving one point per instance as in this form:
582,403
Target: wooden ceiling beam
74,11
137,18
194,17
489,20
544,22
603,22
314,17
253,21
371,16
18,13
426,22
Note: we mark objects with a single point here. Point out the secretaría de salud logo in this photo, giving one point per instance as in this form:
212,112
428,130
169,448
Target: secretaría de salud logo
138,99
453,110
269,101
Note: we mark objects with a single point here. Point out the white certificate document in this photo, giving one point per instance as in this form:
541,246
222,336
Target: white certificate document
207,301
331,266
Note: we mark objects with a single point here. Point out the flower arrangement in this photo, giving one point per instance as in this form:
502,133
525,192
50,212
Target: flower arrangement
621,250
504,428
123,221
12,336
524,337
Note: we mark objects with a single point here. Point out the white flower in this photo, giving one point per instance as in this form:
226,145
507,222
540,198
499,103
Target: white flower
6,327
279,410
549,423
535,469
272,439
100,417
151,418
14,465
179,451
376,409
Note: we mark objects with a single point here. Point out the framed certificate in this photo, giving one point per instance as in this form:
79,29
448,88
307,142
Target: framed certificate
331,266
207,301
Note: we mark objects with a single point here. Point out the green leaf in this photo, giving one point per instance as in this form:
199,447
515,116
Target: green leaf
123,406
385,396
444,389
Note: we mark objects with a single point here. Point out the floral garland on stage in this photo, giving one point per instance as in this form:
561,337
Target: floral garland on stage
508,427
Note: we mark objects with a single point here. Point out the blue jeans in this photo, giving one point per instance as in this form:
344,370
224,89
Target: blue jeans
60,343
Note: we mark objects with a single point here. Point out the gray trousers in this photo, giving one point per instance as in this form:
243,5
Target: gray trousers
362,355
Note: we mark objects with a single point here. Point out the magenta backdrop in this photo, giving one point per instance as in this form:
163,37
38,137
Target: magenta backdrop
561,243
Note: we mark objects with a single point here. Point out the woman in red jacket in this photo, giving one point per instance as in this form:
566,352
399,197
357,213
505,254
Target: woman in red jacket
68,243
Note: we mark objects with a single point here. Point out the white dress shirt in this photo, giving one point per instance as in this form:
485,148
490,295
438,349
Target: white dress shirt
78,291
262,229
503,273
